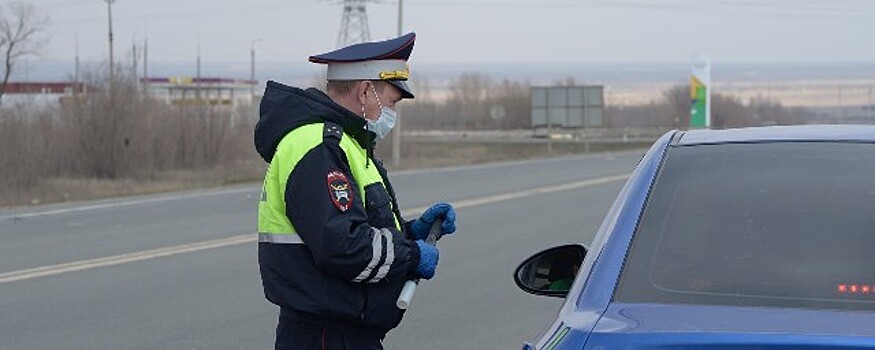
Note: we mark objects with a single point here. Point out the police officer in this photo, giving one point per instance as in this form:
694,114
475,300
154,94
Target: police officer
333,249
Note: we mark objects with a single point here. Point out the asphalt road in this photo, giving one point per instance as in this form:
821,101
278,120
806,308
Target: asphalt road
179,271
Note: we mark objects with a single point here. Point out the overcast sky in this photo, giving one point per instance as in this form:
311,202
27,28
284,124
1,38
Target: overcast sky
506,31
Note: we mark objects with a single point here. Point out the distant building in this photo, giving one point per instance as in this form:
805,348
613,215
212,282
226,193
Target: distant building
200,91
42,91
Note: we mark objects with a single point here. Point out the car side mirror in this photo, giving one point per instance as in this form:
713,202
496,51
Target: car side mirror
550,272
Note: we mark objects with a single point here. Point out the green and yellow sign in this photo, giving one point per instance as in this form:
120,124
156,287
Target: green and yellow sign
700,93
699,103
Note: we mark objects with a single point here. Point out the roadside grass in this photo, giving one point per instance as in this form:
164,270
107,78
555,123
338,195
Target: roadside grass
416,154
52,190
419,154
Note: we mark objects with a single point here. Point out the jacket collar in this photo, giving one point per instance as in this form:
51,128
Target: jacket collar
352,124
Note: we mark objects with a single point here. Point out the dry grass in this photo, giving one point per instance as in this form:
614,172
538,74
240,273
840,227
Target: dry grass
115,141
436,153
418,154
62,189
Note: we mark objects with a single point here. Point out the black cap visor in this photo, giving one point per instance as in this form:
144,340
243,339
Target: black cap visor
406,92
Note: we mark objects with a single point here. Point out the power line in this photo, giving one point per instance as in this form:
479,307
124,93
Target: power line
808,10
235,10
799,10
61,3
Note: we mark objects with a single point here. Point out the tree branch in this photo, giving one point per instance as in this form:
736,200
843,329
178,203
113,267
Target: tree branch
21,35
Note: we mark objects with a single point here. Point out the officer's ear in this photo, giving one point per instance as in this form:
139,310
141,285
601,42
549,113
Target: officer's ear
362,89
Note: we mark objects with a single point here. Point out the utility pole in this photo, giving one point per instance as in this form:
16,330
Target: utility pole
870,106
145,65
396,136
197,85
870,95
400,16
252,69
549,124
76,69
111,66
134,60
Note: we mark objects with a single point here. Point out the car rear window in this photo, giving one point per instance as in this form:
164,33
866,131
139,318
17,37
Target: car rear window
784,224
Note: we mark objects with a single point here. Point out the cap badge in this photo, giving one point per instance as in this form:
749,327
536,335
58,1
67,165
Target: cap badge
396,74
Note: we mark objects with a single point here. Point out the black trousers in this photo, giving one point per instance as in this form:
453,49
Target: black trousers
294,332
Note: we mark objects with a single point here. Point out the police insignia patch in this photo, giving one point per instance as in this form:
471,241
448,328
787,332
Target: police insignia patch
338,190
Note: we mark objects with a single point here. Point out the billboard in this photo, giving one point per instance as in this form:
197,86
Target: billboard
568,106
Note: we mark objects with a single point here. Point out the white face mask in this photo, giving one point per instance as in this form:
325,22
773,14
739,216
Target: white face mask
384,124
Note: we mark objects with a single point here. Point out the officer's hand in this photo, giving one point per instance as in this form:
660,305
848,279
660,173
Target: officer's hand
428,259
445,211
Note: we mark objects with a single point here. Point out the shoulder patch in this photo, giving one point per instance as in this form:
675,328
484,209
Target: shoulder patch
339,190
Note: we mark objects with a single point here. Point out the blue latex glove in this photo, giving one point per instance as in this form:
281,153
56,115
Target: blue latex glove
421,226
428,259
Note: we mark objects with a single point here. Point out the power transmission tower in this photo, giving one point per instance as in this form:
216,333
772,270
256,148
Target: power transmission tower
354,24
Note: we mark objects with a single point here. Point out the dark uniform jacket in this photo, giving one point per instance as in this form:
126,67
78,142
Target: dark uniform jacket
354,260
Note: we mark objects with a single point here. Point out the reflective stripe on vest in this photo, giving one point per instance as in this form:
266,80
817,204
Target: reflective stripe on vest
272,219
264,237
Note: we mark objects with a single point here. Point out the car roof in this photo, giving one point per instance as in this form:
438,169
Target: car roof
840,133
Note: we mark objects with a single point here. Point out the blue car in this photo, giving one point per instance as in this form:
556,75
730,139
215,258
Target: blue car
754,238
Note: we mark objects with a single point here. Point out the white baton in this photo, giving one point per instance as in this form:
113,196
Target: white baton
434,234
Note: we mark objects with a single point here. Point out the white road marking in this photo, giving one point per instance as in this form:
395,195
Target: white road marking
81,265
122,204
465,203
512,163
123,258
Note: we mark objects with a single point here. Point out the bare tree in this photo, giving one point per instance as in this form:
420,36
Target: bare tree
677,100
22,34
471,91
